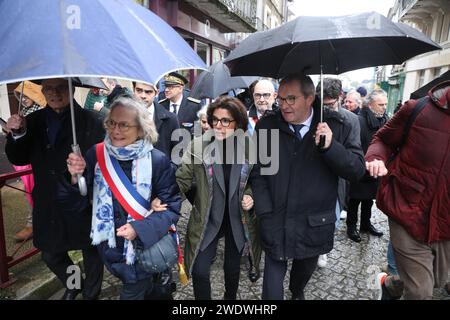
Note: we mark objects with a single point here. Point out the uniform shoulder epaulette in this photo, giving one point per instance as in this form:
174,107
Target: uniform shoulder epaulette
194,100
162,100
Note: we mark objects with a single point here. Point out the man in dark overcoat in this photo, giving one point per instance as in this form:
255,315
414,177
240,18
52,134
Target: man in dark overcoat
61,217
295,193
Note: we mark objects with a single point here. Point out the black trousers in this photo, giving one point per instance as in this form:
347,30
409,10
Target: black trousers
60,262
352,213
275,271
202,267
140,290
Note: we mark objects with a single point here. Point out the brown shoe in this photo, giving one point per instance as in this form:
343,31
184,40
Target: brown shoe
24,234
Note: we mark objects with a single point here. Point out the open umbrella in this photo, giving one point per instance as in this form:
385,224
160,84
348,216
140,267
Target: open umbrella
84,38
217,80
103,38
423,91
333,45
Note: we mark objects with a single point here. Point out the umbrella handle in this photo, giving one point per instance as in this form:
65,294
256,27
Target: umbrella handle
82,186
321,141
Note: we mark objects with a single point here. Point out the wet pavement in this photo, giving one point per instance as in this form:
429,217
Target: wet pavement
349,275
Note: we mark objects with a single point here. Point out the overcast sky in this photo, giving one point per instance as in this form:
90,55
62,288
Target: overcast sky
342,7
339,7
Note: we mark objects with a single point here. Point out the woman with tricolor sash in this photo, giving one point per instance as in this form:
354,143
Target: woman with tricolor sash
125,173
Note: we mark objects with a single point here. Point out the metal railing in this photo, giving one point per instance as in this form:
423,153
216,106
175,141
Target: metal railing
8,261
245,9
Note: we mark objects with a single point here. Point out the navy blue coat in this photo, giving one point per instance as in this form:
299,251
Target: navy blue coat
150,229
295,205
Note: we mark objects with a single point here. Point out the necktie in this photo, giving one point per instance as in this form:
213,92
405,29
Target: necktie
297,128
174,108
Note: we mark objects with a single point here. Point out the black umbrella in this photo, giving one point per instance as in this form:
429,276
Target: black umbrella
337,44
423,91
333,45
217,80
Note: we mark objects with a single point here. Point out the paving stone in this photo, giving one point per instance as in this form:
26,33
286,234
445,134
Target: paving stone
347,276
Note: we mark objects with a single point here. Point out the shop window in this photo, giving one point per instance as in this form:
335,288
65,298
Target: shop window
202,50
218,55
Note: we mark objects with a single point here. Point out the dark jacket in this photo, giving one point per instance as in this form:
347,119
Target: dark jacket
296,205
187,111
415,192
366,188
150,229
61,218
208,204
166,122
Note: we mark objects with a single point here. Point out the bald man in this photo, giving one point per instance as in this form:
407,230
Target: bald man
264,96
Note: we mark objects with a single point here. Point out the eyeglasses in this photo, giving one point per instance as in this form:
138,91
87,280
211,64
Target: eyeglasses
259,95
58,89
224,121
290,100
123,126
172,86
330,104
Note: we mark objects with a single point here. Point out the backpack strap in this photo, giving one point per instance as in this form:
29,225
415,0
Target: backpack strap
421,103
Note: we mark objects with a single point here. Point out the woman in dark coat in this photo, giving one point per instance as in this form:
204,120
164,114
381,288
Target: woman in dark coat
371,118
117,232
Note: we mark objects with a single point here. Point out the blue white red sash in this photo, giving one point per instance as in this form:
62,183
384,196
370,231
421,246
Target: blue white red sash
133,203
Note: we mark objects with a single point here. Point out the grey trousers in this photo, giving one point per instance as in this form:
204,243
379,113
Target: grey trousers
421,266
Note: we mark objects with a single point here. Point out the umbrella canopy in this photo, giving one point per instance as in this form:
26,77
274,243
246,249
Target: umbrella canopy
423,91
84,38
83,82
337,44
217,80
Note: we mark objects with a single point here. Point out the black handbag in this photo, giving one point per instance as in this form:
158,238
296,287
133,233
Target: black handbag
161,256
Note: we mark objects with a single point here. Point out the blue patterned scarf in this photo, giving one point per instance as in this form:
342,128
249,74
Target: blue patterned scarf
103,228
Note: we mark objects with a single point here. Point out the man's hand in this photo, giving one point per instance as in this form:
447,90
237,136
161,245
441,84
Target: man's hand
75,164
376,168
98,106
16,123
127,231
247,202
324,130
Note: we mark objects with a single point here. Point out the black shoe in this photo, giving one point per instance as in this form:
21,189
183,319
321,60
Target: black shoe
70,294
299,296
353,234
371,229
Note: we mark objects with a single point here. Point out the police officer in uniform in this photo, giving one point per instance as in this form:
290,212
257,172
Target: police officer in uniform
186,108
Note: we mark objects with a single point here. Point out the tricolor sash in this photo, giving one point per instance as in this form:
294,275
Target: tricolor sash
133,203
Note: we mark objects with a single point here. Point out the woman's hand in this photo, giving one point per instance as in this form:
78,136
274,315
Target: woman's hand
247,202
127,231
75,165
158,206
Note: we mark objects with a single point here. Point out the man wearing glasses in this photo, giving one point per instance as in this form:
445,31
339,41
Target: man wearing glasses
61,217
296,205
186,108
264,99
